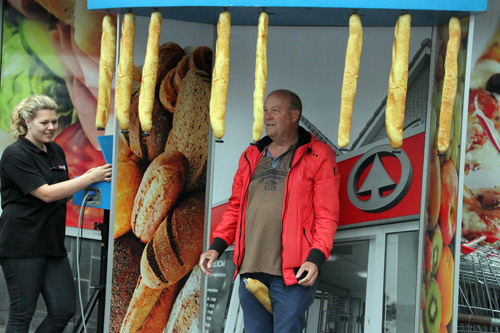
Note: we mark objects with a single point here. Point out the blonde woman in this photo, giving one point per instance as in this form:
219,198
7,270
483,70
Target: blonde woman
34,189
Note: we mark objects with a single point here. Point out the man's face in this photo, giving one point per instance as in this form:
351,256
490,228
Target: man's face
278,117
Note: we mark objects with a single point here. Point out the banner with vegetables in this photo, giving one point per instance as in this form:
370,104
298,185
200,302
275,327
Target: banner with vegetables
47,49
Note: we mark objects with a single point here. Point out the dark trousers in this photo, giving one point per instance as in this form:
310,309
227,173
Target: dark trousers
26,279
289,304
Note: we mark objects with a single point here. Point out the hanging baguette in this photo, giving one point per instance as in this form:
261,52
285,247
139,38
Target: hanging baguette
260,77
449,85
218,96
123,92
260,291
398,82
351,70
106,70
149,73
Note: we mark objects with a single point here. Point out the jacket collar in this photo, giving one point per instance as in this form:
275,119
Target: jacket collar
304,138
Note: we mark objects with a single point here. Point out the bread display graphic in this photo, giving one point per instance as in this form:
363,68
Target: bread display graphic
161,186
350,81
192,113
106,70
186,308
398,82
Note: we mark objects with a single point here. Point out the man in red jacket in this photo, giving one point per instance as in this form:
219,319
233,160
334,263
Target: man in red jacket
282,217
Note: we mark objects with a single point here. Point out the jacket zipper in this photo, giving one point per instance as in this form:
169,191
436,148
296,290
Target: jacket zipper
241,212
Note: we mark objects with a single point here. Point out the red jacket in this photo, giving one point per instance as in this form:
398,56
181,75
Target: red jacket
310,207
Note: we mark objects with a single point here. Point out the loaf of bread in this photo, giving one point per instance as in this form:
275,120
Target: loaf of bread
149,73
449,84
128,179
185,313
220,76
260,77
398,82
200,58
127,252
106,70
189,133
148,309
152,145
170,54
161,186
176,246
124,77
350,81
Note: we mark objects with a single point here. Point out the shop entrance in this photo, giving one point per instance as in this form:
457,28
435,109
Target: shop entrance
368,284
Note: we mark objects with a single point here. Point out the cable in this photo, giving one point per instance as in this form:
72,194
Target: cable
78,236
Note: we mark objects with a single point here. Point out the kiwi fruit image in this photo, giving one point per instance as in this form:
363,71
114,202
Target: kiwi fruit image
436,250
432,310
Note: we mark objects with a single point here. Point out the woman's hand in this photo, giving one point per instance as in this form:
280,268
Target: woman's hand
100,173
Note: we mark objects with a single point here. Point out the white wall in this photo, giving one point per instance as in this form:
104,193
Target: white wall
309,61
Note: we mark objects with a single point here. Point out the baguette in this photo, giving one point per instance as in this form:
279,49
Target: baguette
123,92
260,291
351,71
398,82
449,85
260,77
106,70
220,76
149,73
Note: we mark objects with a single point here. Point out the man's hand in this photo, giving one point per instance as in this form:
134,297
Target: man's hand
207,261
312,273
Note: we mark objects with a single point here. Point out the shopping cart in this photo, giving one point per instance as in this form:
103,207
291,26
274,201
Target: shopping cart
479,286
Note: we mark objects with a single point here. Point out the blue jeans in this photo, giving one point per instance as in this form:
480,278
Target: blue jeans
26,279
289,304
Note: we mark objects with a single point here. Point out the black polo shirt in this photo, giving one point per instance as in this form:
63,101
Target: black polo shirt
30,227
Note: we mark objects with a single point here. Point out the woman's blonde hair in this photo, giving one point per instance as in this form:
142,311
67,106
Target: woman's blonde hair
27,109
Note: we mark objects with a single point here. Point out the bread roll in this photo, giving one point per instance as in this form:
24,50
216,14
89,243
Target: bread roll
176,246
106,70
87,25
185,313
449,85
129,176
220,76
180,72
159,190
168,93
201,58
189,133
149,73
398,82
65,10
123,93
152,145
351,70
260,77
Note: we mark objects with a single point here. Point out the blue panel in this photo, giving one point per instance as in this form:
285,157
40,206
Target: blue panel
294,13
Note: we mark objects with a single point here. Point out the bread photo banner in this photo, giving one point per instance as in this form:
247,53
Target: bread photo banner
123,93
449,85
106,71
149,73
260,77
220,76
398,82
349,84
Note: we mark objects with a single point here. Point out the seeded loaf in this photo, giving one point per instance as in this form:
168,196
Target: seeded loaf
189,134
